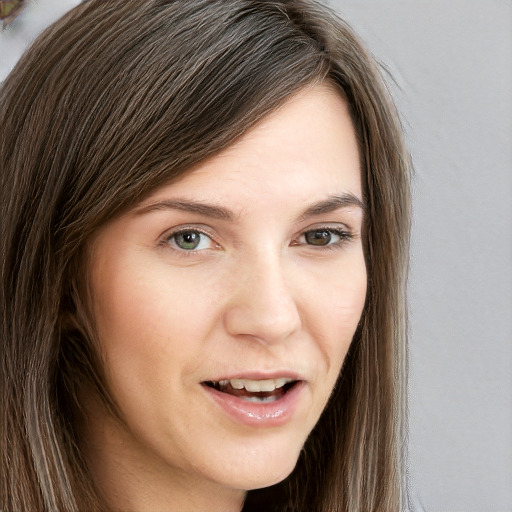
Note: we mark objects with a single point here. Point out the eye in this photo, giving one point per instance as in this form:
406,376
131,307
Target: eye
190,240
323,237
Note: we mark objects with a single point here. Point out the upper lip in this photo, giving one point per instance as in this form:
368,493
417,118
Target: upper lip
258,375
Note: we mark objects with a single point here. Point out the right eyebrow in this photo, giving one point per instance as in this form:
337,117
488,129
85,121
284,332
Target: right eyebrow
209,210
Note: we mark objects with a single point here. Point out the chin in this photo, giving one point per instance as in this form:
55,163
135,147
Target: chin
264,471
270,480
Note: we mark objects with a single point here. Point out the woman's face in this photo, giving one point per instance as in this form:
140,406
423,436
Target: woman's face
226,301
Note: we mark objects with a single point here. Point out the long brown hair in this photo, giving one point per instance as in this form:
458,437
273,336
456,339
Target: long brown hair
112,101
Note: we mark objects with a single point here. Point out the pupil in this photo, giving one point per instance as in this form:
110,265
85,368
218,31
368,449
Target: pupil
189,240
318,237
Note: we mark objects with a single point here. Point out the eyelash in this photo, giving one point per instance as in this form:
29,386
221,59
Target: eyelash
345,236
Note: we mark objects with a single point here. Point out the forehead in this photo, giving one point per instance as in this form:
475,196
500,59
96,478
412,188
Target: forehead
304,150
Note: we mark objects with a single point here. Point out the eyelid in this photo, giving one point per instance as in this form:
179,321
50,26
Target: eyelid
201,228
334,226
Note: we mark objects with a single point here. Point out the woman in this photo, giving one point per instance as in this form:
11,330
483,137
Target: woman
204,243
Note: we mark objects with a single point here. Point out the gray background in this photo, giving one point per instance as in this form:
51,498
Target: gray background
452,65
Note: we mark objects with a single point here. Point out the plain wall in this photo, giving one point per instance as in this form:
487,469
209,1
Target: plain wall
452,63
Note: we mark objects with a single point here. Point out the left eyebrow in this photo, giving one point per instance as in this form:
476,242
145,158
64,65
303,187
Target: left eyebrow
331,204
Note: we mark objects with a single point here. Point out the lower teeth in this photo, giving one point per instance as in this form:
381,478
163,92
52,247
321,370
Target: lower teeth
260,400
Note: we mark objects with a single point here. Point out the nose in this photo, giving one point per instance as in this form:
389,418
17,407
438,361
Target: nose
262,306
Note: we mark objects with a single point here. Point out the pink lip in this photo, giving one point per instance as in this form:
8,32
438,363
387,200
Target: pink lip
254,414
261,375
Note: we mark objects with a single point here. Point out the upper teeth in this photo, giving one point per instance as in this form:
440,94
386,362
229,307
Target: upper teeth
256,385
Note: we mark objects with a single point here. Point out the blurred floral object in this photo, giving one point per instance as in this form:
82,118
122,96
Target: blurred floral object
16,37
9,9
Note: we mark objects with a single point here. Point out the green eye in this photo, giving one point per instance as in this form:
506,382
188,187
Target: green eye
190,240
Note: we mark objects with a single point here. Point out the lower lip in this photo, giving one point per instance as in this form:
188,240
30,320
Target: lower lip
254,414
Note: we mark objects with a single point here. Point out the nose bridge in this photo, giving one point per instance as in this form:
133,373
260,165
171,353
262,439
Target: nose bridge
263,305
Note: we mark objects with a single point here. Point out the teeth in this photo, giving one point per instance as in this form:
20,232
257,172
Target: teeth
255,386
237,383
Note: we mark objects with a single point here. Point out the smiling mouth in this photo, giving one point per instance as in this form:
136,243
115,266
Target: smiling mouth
260,391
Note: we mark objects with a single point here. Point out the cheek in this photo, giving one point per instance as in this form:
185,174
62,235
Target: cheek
339,305
145,316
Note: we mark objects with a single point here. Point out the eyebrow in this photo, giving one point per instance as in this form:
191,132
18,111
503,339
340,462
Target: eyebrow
208,210
328,205
331,204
